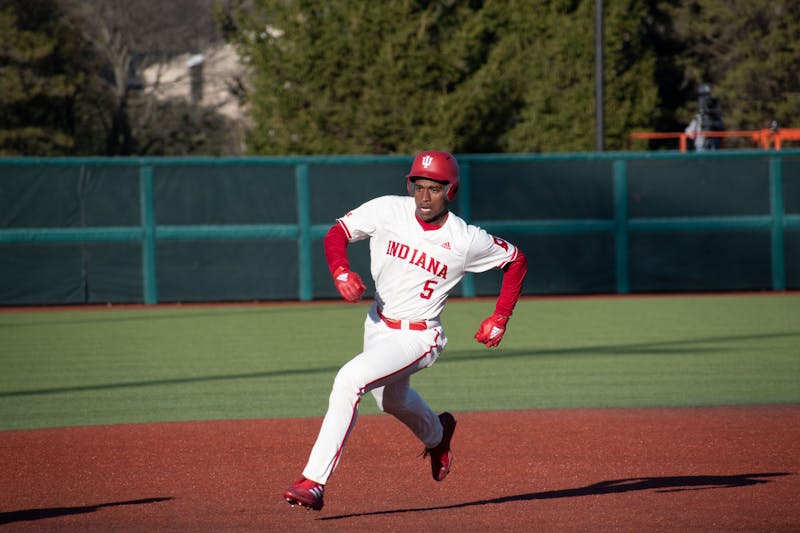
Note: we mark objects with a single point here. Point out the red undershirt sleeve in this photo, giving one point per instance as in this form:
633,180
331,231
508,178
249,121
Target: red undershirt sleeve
513,278
336,248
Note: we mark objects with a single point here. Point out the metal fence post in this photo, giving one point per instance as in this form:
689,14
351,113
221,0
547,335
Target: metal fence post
776,208
304,241
148,220
621,224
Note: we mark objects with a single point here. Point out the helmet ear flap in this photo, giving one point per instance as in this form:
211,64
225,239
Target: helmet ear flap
452,189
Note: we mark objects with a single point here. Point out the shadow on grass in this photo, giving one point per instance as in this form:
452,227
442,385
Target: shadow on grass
614,486
27,515
680,346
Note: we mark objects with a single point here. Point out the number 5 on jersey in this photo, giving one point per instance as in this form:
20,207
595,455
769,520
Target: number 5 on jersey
427,290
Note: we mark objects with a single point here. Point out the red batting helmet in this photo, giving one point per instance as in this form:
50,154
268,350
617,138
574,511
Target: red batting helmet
437,166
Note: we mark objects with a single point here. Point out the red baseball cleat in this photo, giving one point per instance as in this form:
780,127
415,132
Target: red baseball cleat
441,456
305,493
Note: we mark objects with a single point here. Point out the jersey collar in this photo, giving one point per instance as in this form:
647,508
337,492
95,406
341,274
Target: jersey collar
430,227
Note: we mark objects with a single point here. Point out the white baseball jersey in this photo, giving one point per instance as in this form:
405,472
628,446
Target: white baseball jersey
415,270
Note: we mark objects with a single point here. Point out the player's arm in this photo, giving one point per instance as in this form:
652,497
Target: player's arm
492,329
347,282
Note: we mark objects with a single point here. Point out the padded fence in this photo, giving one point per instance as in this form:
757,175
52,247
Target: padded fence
149,230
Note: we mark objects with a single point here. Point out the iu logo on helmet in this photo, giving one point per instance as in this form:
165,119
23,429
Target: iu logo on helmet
427,161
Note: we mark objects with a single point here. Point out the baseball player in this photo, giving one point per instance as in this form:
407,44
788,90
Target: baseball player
419,251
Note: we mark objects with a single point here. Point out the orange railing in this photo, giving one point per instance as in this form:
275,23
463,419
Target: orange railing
765,138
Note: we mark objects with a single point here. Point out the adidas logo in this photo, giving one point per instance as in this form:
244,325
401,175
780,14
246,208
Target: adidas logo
446,245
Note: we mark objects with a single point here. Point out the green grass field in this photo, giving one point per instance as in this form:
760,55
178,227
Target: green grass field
95,366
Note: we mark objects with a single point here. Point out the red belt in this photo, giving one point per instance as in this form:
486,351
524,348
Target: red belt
419,325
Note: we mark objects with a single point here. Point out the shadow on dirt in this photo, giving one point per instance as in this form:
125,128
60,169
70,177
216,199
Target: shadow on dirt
614,486
53,512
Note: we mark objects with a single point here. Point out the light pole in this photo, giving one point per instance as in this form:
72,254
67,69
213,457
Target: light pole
598,75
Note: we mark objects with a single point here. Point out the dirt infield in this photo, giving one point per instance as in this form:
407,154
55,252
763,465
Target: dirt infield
696,469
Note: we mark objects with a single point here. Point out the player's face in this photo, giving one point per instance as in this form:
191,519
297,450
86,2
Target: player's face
431,199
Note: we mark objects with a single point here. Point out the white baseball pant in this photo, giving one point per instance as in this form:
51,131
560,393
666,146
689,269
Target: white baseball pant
384,368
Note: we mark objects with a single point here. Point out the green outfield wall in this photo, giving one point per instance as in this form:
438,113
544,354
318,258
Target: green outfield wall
150,230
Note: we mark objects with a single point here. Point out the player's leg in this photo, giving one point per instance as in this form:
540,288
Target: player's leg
404,403
390,356
435,432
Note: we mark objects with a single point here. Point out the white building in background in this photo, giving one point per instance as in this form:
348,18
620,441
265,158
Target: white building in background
214,78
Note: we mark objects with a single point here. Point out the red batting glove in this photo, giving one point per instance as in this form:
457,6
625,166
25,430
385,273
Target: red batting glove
492,330
348,284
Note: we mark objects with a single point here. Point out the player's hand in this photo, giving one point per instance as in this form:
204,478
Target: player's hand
491,330
349,284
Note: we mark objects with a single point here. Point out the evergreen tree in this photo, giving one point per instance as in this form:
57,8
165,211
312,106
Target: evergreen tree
349,76
36,84
381,77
